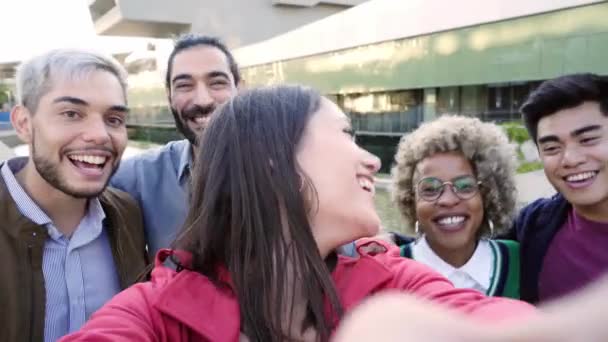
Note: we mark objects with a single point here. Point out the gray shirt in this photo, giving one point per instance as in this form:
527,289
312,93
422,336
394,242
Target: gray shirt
159,180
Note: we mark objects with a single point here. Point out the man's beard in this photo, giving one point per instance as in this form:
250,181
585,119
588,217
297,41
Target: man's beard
181,120
49,171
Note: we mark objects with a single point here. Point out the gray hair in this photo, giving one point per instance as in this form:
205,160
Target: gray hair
487,148
35,76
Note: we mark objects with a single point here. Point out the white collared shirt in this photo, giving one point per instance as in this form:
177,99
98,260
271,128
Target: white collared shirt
475,274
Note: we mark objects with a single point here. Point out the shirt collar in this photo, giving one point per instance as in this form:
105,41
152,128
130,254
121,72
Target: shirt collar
479,266
30,209
24,202
421,251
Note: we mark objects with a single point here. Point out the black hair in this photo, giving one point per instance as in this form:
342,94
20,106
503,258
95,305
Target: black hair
564,92
192,40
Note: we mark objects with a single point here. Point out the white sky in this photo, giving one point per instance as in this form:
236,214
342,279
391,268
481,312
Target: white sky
29,27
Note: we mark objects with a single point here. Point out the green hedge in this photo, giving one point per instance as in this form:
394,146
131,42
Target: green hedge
518,134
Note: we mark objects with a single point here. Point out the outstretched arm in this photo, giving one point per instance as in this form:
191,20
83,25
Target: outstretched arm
580,317
116,321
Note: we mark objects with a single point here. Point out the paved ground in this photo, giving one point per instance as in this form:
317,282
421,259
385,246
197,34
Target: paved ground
5,152
530,185
533,185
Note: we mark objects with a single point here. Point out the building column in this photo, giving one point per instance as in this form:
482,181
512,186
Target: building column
429,104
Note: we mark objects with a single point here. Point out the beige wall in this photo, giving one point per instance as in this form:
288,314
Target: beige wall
385,20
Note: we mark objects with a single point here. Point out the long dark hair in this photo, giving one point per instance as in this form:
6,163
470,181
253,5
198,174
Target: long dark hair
248,212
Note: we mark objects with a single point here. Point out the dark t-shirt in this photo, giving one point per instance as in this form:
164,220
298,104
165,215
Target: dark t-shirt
577,256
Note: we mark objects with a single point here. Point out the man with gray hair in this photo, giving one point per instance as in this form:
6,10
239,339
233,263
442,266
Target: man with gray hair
67,243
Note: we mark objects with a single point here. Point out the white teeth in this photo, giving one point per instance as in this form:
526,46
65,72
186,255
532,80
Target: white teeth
97,160
580,176
366,185
451,220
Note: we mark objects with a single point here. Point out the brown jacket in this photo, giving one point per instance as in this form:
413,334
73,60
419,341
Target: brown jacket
22,291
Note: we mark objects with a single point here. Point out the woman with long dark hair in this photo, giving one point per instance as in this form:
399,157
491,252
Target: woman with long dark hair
279,186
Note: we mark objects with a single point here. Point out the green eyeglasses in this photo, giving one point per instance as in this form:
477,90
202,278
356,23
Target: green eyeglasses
431,188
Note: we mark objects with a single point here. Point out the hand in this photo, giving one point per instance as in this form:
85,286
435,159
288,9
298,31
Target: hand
378,244
397,316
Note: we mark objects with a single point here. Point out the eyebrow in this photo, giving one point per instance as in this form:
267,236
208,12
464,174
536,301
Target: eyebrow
585,129
81,102
548,138
72,100
575,133
211,74
119,108
181,77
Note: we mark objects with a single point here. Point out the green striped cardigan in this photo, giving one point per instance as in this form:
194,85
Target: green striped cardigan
505,274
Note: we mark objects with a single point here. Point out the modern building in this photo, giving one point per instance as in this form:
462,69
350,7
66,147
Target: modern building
238,22
394,64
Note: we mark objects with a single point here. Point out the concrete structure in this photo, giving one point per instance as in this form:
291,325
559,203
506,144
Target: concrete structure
8,140
394,64
238,22
5,152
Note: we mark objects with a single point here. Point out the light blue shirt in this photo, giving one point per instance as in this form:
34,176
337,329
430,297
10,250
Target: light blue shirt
159,180
79,272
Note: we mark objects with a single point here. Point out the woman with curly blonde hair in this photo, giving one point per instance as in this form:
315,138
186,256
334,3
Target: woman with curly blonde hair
454,185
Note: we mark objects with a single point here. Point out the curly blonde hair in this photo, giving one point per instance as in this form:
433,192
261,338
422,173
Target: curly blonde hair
485,145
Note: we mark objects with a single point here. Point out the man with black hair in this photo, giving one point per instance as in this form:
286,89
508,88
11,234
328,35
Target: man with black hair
201,74
564,238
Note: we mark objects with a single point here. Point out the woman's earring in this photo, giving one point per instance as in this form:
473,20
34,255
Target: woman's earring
417,230
491,225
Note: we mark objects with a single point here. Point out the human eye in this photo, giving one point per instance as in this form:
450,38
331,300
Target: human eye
116,120
183,86
70,114
465,184
589,140
550,149
350,131
429,187
219,83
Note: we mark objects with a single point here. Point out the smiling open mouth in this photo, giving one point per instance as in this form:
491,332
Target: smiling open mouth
88,161
581,177
451,222
198,120
366,184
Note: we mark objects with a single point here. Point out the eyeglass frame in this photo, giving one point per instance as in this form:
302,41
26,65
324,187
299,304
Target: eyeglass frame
451,184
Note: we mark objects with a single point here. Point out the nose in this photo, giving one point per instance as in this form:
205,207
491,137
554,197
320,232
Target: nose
95,130
372,163
572,157
202,96
448,198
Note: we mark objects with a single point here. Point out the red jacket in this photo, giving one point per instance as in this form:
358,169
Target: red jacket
186,306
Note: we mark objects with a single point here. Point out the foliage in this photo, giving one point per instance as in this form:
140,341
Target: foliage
529,166
4,89
516,132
